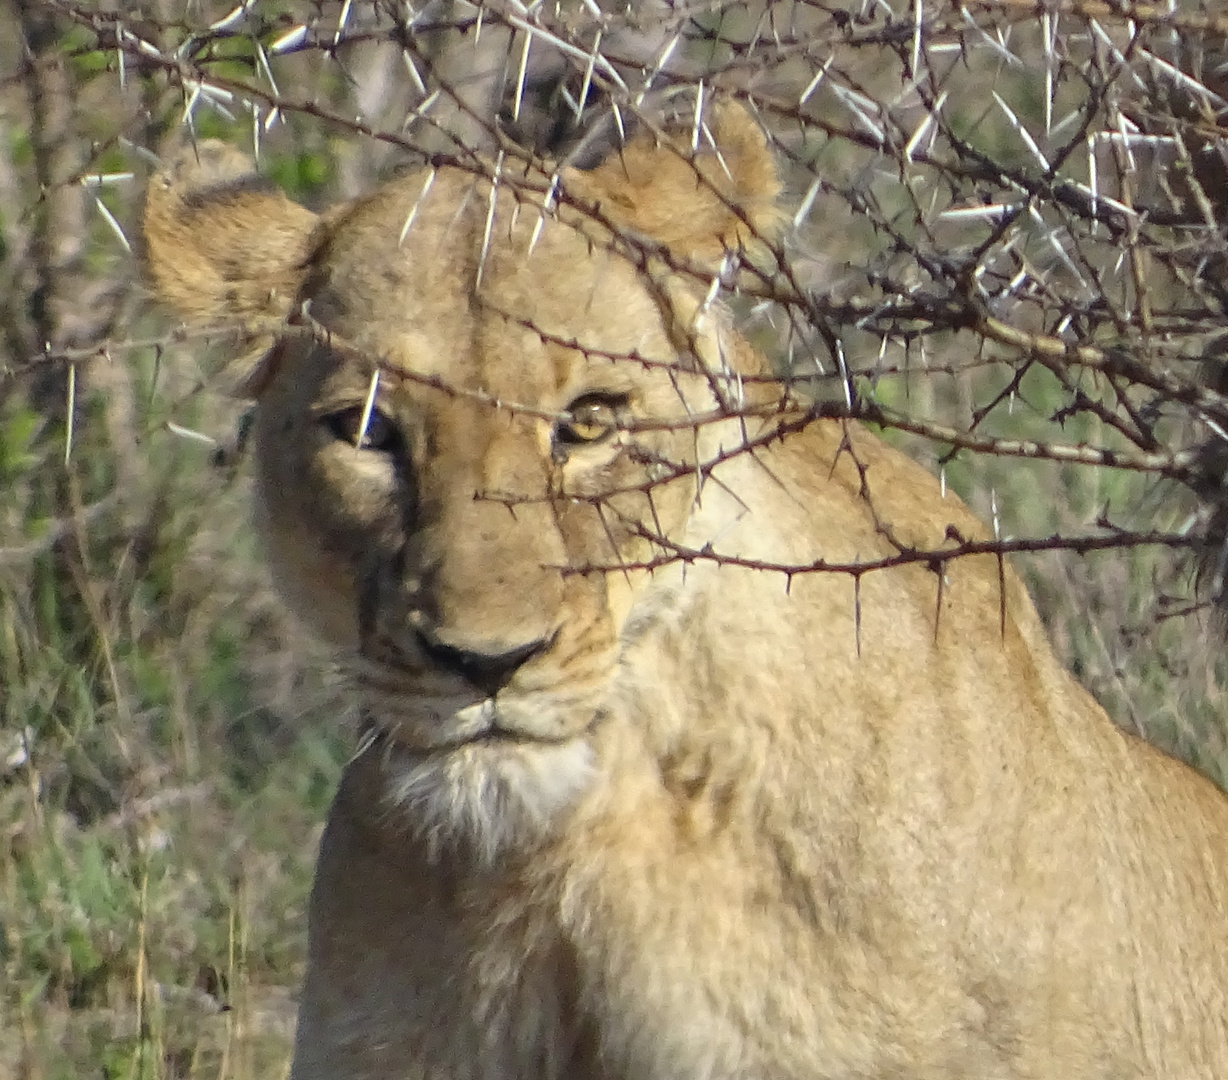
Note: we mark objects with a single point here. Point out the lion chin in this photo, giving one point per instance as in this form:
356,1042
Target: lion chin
485,797
483,783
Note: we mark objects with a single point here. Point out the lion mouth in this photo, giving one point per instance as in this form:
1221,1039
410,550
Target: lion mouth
424,713
424,725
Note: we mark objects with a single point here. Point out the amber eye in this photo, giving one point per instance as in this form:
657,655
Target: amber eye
589,419
380,433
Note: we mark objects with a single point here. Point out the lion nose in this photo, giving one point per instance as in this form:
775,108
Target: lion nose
488,672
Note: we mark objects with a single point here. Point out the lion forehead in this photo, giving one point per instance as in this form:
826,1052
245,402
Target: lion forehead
438,267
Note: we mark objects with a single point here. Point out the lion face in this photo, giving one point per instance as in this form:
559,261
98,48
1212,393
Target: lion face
524,429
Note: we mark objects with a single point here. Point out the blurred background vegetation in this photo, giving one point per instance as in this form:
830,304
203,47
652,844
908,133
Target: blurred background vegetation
980,190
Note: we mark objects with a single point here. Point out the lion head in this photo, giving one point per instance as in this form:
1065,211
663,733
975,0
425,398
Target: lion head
477,409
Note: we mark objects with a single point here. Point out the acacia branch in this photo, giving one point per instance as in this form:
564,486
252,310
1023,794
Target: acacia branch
933,559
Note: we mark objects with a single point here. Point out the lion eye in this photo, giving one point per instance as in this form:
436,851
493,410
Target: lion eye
590,419
380,433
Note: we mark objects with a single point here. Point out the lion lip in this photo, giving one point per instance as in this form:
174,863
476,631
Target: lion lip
496,737
439,727
491,739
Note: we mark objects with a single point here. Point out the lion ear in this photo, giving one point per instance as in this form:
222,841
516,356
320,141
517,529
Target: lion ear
699,205
221,242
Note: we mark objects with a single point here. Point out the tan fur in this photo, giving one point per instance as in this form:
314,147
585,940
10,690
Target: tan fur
246,242
712,827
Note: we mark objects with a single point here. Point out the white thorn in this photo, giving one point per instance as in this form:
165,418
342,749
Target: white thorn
1047,32
490,222
813,85
588,73
423,108
988,210
720,158
413,210
1124,132
182,432
227,21
368,407
808,202
70,412
658,67
1093,177
846,380
565,47
918,17
699,117
342,19
521,75
927,121
414,75
1024,134
996,46
190,105
547,206
262,58
105,179
109,218
862,108
289,40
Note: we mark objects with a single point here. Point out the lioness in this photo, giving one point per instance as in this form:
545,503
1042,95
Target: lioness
626,810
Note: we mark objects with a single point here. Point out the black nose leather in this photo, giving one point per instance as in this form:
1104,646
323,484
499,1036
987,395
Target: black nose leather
488,672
